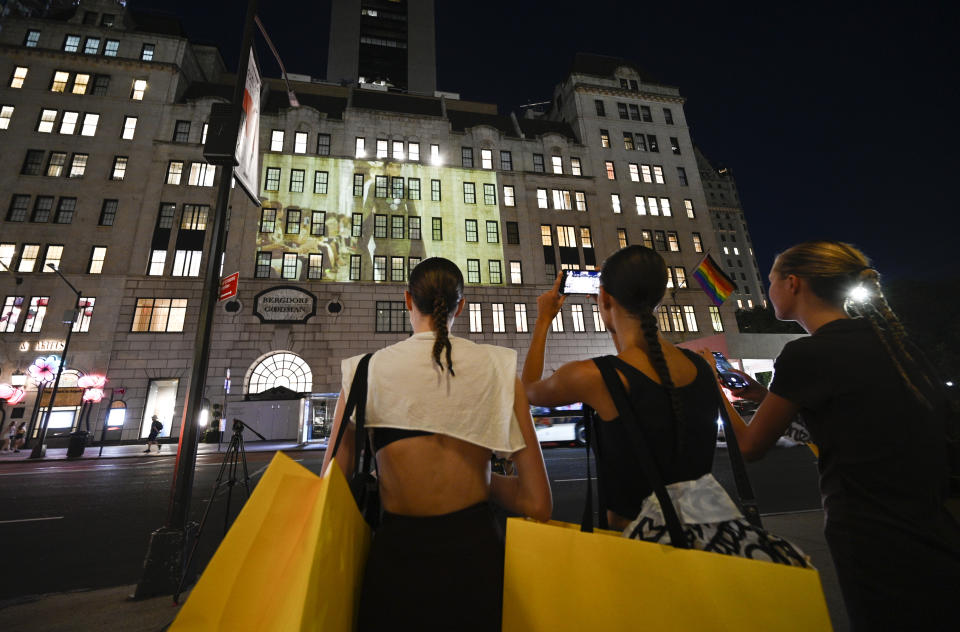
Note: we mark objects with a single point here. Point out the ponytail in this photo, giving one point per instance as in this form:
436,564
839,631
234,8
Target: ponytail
440,314
436,286
655,352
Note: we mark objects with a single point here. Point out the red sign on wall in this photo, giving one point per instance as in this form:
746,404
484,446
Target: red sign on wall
228,286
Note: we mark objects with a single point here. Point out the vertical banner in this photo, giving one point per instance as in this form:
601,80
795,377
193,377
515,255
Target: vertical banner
248,140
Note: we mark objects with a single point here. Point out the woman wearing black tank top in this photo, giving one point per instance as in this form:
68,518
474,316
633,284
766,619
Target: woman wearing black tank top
674,389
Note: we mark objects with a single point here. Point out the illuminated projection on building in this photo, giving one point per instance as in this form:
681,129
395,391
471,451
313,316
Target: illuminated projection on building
336,219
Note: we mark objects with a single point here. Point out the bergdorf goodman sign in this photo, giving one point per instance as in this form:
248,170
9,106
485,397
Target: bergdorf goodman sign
284,304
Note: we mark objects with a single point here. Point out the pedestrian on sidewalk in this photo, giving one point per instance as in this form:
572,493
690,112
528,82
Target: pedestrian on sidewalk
155,427
19,437
877,413
7,445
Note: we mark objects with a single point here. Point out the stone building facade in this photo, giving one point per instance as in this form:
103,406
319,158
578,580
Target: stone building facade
356,185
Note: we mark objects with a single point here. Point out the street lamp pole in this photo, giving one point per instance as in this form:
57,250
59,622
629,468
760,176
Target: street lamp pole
37,451
162,567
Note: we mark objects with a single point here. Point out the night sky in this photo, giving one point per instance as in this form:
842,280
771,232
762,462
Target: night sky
839,120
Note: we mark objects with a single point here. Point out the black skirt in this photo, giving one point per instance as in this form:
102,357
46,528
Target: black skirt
435,573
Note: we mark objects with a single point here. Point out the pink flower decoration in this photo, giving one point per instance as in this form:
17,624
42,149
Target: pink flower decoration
92,381
5,391
92,395
17,397
44,370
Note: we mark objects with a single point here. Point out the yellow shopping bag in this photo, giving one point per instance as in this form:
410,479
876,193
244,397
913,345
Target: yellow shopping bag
292,561
558,578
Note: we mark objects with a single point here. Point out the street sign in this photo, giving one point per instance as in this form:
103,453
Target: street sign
228,286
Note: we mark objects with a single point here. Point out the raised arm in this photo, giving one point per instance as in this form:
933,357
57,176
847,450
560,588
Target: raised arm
548,306
528,493
346,446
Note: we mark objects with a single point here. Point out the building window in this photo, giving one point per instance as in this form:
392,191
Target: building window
356,226
138,90
55,163
668,117
486,159
520,316
300,142
476,325
119,168
682,176
610,169
634,112
557,324
323,144
663,318
506,161
436,229
508,196
469,193
19,76
380,226
615,202
434,190
660,240
575,167
360,147
108,212
42,209
7,252
314,266
576,314
181,132
292,223
542,198
262,268
379,268
397,187
697,243
413,152
688,205
497,310
413,227
358,185
80,83
681,276
268,220
658,174
78,165
397,227
52,257
100,85
561,200
59,82
381,148
598,104
466,156
68,123
634,172
665,207
598,324
296,180
273,179
146,53
186,263
201,174
413,188
652,143
516,273
6,113
12,306
157,260
538,163
380,186
495,269
690,317
66,207
318,226
48,119
280,369
622,111
676,317
715,319
675,145
35,314
289,266
354,267
392,317
320,180
473,271
84,314
32,39
546,235
19,206
471,228
71,44
513,233
159,315
111,48
174,171
557,162
435,155
396,269
276,140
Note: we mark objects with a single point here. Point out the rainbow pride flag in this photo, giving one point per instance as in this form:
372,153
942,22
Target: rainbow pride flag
714,282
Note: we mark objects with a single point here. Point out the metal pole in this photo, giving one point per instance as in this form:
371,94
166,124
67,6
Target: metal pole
37,451
162,566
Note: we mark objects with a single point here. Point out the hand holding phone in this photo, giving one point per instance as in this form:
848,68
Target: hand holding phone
726,373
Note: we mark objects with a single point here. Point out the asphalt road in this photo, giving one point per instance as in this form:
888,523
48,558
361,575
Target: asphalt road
85,524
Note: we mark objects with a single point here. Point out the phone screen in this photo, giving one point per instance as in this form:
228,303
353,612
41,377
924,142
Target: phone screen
725,371
721,361
581,281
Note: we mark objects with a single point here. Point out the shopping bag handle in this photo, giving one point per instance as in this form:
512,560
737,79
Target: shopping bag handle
356,400
748,502
632,422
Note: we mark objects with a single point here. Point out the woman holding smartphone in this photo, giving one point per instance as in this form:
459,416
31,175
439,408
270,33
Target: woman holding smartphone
877,414
437,407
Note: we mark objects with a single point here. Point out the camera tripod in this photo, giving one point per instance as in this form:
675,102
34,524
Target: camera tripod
234,459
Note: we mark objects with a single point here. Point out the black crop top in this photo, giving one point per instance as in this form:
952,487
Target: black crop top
382,437
622,485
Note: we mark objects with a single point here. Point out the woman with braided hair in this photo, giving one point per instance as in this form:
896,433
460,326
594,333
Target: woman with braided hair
437,407
674,388
877,415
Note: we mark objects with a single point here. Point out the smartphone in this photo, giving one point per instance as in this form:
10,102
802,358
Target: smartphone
725,371
580,282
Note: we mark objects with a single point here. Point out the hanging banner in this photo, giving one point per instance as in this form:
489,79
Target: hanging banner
248,140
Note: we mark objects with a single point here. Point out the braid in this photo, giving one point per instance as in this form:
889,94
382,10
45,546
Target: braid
891,333
440,314
649,325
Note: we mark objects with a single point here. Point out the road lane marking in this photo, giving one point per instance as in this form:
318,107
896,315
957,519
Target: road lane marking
31,519
568,480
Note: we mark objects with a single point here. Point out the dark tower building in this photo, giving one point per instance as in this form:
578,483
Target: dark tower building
388,41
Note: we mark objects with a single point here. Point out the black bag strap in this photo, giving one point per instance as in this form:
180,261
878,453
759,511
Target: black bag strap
586,520
748,502
357,401
650,469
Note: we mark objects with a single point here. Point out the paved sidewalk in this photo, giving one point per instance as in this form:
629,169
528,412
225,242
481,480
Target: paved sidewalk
132,450
111,608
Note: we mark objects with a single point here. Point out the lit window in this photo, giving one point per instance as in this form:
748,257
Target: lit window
355,267
665,207
652,206
300,143
28,257
56,163
546,234
557,164
71,44
32,39
681,276
396,269
469,193
12,306
476,325
119,168
557,324
320,182
691,318
576,313
676,317
382,148
291,224
715,319
508,198
486,158
139,88
146,53
516,273
272,181
159,314
6,254
697,243
52,257
575,166
379,268
276,140
90,122
6,113
91,46
615,202
672,242
473,271
19,76
581,200
111,48
47,120
598,324
495,271
413,151
604,138
610,169
202,174
397,150
186,263
37,310
360,147
157,260
289,267
280,369
561,200
297,177
435,155
174,171
60,79
195,217
542,198
413,188
396,227
413,226
78,165
80,83
97,257
688,205
129,127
